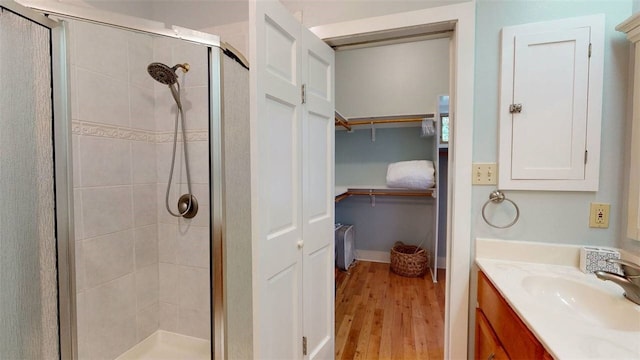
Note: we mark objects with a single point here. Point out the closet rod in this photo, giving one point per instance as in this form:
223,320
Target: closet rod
383,119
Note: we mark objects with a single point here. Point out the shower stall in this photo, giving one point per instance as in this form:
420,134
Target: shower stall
144,249
139,268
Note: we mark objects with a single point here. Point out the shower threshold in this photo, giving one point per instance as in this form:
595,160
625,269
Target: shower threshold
168,345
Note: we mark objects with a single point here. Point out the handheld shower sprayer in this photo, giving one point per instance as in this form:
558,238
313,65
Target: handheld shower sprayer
187,204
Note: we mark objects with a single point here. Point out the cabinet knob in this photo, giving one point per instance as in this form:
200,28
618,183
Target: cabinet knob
300,244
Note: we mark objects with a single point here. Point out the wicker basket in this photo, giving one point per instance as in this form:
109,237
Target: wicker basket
408,260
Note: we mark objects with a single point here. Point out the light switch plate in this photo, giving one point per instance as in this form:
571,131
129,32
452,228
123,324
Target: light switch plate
485,173
599,215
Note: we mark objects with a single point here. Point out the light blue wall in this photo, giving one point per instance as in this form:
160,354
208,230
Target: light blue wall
360,161
636,6
409,220
558,217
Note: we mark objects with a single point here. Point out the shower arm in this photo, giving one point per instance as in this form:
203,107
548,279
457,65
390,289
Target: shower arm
185,67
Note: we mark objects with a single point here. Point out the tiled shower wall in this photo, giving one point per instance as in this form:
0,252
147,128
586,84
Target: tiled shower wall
184,243
137,268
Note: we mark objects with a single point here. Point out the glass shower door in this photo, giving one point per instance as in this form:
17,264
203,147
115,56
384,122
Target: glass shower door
29,322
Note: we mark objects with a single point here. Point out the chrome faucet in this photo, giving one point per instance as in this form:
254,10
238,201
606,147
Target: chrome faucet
629,281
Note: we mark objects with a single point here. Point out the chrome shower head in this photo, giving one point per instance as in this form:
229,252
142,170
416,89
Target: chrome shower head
164,74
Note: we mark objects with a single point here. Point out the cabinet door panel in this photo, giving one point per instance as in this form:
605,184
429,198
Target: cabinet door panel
514,335
554,71
551,75
487,344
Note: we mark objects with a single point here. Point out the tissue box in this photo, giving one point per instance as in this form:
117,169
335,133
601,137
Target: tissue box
593,259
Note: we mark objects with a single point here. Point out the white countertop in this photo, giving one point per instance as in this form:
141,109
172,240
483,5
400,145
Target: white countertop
565,334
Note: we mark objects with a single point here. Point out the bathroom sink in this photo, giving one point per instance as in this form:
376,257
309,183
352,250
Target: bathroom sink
584,301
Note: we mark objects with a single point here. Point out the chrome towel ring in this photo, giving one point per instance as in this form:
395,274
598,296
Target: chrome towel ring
498,197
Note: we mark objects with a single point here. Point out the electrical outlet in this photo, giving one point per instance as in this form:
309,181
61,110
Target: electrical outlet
599,215
485,174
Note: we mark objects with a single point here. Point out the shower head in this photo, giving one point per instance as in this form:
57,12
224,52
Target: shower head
164,74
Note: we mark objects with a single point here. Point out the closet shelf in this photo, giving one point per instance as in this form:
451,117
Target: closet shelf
341,121
349,123
385,192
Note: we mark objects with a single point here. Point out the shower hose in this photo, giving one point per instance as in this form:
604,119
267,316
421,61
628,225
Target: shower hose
175,92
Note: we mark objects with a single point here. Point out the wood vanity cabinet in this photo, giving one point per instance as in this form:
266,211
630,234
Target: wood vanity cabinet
500,334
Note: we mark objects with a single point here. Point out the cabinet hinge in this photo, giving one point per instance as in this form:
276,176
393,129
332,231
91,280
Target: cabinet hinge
589,49
304,345
304,93
515,108
586,152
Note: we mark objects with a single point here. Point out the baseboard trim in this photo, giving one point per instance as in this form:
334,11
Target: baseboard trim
373,256
385,257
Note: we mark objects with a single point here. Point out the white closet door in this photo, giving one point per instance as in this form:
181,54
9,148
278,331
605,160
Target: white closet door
551,75
318,204
276,181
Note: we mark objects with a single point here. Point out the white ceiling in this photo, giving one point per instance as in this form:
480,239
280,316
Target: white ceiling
200,14
322,12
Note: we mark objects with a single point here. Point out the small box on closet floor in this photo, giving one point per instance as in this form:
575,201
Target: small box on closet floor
344,246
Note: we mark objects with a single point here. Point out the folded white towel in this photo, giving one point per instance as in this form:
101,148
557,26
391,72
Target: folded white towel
414,174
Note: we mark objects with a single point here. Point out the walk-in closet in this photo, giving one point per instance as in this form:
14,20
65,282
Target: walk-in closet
391,153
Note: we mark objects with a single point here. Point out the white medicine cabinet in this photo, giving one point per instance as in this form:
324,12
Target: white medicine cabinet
551,105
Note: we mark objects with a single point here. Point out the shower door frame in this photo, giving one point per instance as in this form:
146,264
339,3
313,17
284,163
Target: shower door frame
62,172
63,154
64,192
216,157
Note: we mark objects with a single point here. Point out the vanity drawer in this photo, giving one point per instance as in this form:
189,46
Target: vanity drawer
514,336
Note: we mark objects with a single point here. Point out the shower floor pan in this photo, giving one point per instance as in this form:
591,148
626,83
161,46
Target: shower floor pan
167,345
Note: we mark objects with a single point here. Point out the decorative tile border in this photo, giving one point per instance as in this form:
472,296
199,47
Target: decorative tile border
115,132
191,135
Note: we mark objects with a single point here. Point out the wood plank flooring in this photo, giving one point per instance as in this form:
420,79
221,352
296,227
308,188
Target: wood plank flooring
381,315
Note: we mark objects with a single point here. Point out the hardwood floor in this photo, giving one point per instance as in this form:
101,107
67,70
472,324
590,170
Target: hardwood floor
382,315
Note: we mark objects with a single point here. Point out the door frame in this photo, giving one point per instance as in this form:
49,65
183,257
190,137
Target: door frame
461,91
